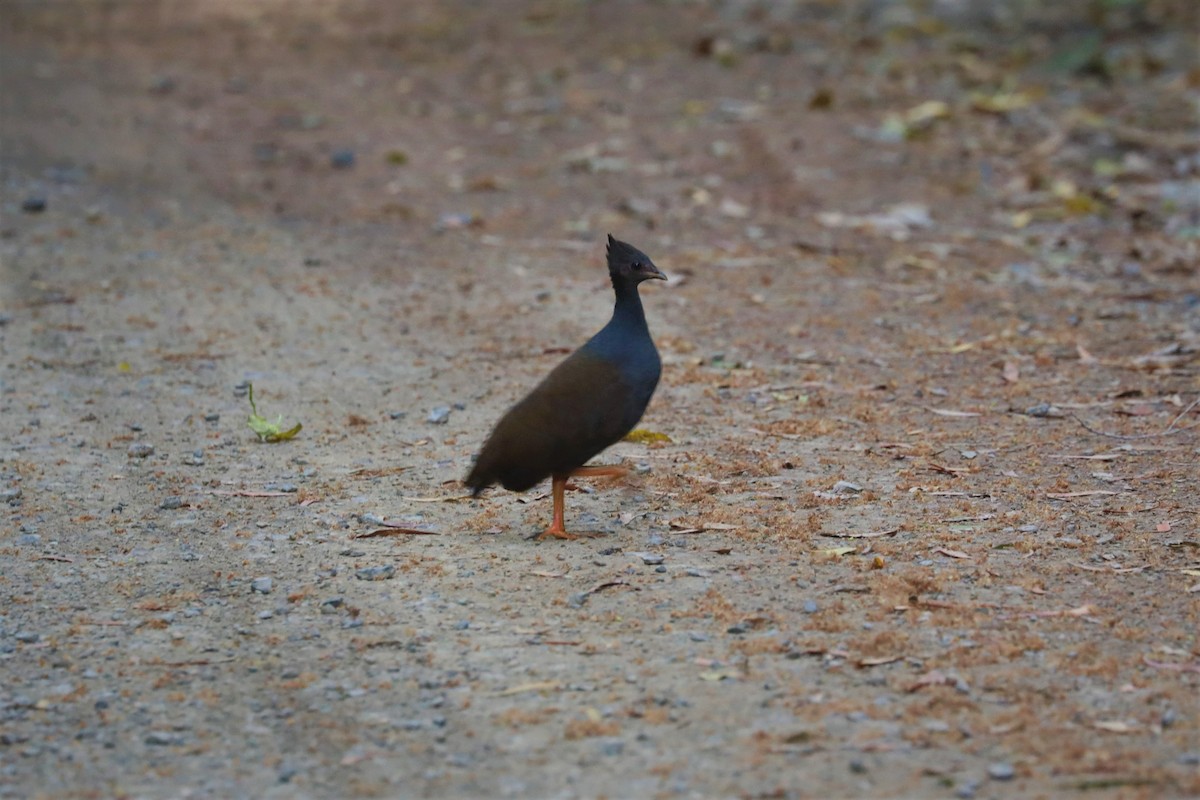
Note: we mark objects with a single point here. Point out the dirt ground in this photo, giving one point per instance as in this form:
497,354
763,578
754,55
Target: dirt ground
925,520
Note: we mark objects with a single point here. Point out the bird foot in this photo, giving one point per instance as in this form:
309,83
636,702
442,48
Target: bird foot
558,532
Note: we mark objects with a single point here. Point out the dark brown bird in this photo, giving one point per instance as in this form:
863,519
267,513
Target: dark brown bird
585,404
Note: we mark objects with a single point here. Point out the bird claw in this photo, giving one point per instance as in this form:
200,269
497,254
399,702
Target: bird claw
561,533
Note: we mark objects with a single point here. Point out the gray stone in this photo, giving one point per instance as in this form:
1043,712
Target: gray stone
1001,771
140,450
377,573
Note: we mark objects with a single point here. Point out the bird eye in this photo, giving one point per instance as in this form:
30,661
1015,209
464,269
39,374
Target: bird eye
638,266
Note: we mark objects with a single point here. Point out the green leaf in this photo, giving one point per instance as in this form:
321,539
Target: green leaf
268,431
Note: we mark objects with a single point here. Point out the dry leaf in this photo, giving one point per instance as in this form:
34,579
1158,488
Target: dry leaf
950,412
878,661
1012,372
951,553
872,535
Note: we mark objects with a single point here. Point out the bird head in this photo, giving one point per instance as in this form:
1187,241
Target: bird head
628,264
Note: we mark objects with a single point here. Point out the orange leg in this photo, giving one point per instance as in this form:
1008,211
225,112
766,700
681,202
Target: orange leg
558,485
607,471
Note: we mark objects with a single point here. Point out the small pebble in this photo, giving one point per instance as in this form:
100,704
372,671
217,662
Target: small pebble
439,415
651,559
266,614
261,585
612,747
967,790
342,159
1001,771
194,459
380,573
462,625
28,637
29,539
171,503
811,607
34,204
660,569
11,493
162,84
140,450
857,766
1189,759
697,636
397,414
846,487
163,738
737,628
331,605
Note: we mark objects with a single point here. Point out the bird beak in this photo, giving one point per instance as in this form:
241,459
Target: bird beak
657,274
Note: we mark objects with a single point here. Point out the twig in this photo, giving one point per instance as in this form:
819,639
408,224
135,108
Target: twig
394,531
1170,429
872,535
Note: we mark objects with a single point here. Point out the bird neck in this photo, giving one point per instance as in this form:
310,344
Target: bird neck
628,309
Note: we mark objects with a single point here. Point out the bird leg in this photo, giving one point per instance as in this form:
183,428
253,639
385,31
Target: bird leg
558,485
606,471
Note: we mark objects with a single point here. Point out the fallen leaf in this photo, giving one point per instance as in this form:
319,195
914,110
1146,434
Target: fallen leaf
641,436
872,535
932,678
951,553
1012,372
950,412
1000,102
878,661
266,430
393,530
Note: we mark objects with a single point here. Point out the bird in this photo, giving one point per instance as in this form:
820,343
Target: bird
588,402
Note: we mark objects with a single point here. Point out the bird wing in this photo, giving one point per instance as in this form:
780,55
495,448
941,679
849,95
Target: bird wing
583,406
